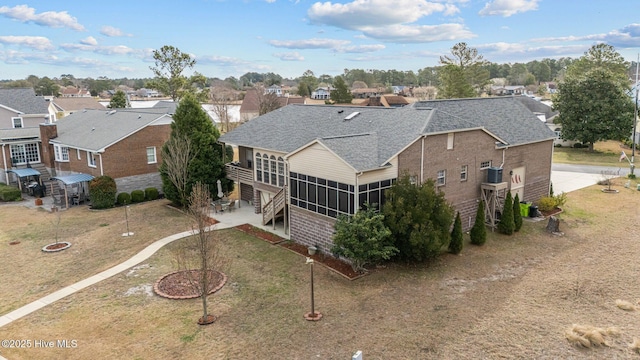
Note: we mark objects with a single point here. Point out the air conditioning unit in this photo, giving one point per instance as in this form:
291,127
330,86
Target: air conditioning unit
494,175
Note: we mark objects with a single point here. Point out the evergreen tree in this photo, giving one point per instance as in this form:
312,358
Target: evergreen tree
506,225
341,94
479,230
363,238
118,101
206,165
455,246
453,84
517,216
419,218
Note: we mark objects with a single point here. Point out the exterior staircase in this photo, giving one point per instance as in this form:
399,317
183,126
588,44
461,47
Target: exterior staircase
274,209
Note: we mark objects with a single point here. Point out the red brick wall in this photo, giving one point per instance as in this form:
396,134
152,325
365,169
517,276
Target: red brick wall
129,156
472,148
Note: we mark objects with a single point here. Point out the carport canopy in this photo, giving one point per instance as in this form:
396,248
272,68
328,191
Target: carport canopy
73,179
25,172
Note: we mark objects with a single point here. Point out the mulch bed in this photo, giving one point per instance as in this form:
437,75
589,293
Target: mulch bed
184,284
327,260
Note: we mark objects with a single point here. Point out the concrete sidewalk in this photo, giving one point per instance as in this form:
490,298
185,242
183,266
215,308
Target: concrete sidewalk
566,181
243,215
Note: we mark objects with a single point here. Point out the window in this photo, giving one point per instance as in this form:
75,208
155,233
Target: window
463,172
151,155
320,195
485,165
280,171
274,171
17,122
450,141
413,179
61,153
23,153
441,177
91,160
265,168
258,167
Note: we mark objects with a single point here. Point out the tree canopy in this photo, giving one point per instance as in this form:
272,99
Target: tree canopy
341,94
170,63
601,57
118,101
464,69
595,108
206,165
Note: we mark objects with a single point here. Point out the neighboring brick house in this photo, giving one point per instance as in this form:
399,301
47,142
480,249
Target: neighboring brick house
21,112
124,144
68,105
308,164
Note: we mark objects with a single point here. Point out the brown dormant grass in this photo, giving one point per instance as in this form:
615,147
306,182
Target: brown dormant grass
513,298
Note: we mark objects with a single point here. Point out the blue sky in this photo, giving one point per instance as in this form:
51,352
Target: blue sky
229,38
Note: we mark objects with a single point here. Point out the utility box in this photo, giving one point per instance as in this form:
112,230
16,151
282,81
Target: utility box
494,175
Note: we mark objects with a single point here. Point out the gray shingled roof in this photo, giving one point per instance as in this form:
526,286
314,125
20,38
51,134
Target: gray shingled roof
19,133
77,103
24,100
374,136
95,130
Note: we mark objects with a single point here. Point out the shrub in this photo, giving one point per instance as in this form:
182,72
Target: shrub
547,203
151,193
558,145
631,176
506,225
479,231
102,191
517,216
419,218
560,199
10,193
363,238
123,199
137,196
455,246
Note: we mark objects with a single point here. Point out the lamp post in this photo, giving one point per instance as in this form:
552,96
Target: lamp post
126,217
635,121
313,315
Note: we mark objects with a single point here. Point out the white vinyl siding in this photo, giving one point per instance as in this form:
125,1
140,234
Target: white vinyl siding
317,161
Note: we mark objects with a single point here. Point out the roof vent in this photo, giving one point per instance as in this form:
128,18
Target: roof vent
352,115
111,112
340,111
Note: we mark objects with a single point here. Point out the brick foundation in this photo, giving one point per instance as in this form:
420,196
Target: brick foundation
309,229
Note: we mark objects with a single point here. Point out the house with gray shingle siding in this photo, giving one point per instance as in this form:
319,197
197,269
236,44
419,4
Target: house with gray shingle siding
306,165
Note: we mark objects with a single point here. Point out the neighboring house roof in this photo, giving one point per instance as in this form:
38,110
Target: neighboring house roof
250,102
70,104
23,100
373,136
536,106
95,130
7,135
385,100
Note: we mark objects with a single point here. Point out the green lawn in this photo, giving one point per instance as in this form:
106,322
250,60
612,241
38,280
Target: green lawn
606,153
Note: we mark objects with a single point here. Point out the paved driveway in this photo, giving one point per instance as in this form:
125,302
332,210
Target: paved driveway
567,177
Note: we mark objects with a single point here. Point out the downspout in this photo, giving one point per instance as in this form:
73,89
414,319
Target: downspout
357,192
4,161
422,162
504,150
101,169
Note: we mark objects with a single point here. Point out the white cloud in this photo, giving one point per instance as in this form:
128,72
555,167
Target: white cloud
54,19
626,37
220,60
34,42
507,8
290,56
104,50
309,43
270,1
419,33
112,31
89,40
497,52
17,57
359,13
358,49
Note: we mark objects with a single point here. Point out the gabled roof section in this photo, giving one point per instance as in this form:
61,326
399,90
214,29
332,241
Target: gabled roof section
505,117
24,100
95,130
7,135
536,106
77,104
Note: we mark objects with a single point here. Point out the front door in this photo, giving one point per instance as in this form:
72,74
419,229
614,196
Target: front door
517,182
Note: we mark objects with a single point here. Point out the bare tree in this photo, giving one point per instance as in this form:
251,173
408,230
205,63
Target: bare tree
199,256
176,155
221,103
267,102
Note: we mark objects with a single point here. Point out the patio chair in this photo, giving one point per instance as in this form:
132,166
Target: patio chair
218,208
